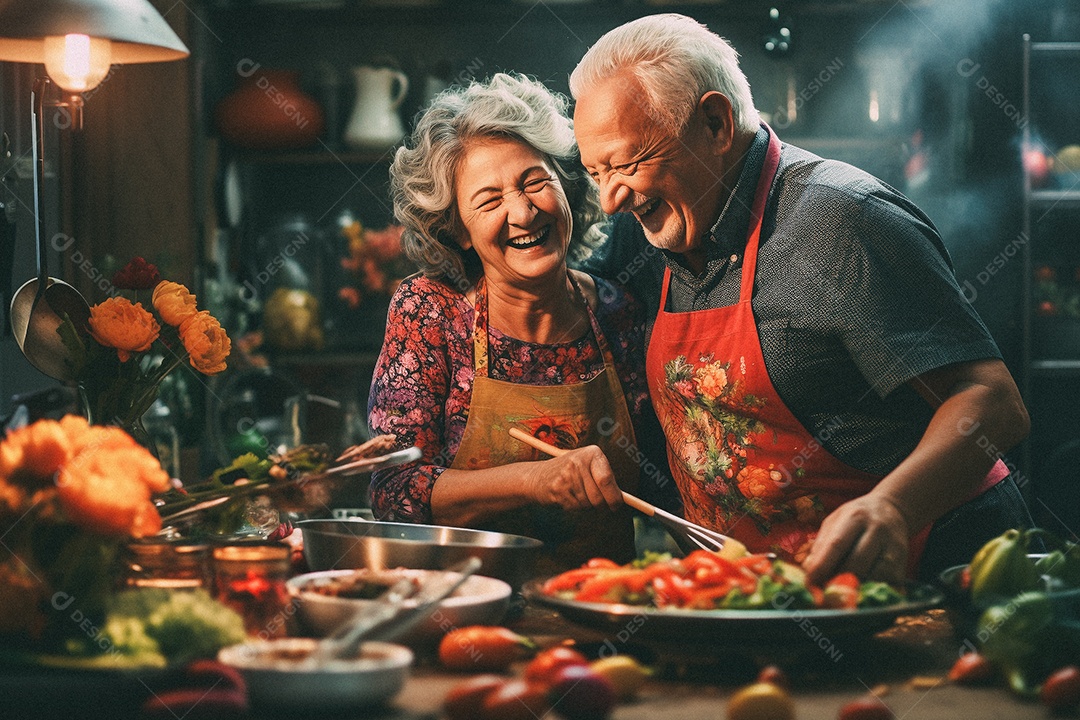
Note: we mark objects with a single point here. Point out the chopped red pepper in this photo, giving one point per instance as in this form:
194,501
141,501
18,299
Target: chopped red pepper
598,588
842,591
570,579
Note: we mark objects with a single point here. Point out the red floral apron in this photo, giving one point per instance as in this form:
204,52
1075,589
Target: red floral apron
743,463
593,412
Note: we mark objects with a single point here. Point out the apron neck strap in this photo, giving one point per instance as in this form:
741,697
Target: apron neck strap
480,326
757,211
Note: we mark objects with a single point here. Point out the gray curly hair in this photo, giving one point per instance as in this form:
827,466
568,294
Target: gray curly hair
675,60
424,169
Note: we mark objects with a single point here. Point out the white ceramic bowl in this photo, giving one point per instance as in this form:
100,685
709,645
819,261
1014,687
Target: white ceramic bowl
278,679
479,601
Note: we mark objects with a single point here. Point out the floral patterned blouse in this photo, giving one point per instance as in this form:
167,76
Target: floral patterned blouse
423,380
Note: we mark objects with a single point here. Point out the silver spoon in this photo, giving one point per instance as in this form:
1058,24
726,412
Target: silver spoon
387,619
40,305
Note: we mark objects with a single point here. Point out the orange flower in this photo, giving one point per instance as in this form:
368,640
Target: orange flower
119,324
33,453
759,482
206,342
174,302
107,487
712,379
79,432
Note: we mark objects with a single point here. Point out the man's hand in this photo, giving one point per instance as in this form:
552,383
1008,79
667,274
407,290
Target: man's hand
581,478
867,536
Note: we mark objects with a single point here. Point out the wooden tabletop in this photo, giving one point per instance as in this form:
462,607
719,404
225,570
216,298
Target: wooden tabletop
906,665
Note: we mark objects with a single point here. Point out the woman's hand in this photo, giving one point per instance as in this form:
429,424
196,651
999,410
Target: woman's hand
581,478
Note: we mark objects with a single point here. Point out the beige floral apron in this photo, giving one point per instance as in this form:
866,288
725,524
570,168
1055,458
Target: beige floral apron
593,412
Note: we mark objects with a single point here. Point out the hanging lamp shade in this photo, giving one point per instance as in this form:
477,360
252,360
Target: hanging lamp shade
136,31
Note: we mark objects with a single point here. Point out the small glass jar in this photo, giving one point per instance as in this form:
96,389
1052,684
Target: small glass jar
250,578
170,564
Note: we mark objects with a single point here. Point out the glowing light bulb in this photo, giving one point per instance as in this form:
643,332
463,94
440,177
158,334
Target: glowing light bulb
77,63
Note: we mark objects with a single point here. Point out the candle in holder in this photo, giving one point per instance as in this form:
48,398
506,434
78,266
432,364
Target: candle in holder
169,564
251,580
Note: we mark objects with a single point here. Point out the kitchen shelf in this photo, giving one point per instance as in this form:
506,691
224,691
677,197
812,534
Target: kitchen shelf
1058,48
323,156
439,12
1055,367
1064,199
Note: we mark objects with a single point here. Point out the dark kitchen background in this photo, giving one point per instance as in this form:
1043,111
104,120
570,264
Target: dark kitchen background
292,249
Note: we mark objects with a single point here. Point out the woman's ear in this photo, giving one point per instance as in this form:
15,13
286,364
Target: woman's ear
455,234
719,119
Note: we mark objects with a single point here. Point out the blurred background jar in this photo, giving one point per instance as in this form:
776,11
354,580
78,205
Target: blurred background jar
268,110
287,273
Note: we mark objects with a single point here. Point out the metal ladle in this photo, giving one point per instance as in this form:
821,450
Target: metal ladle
39,307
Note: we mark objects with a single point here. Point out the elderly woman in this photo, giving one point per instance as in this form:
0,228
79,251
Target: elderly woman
496,333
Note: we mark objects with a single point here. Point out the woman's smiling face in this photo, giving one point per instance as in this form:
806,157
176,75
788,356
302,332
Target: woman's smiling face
512,211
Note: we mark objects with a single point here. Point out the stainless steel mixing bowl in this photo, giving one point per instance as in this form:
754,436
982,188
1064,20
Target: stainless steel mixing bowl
357,543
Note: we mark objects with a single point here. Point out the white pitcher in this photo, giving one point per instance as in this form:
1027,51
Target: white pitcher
374,124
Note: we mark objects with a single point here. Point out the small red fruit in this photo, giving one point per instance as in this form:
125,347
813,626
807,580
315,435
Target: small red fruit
972,669
1061,691
465,699
580,693
547,663
515,699
868,707
482,647
1047,308
773,674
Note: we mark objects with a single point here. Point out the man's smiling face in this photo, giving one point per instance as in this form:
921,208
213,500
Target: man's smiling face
671,183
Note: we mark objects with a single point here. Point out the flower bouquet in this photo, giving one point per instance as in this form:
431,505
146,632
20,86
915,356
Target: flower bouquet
375,262
128,349
370,264
70,494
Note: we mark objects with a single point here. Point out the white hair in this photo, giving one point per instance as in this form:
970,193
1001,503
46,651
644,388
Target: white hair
675,60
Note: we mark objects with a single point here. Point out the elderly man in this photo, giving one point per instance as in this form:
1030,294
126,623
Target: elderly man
825,391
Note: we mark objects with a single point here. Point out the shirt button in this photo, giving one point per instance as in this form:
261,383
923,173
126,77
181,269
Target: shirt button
734,258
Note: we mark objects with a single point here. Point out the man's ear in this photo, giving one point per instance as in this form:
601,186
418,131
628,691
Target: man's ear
719,119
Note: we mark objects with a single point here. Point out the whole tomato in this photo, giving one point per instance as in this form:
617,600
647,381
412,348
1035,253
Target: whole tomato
465,699
867,707
515,699
547,663
482,647
1061,691
972,669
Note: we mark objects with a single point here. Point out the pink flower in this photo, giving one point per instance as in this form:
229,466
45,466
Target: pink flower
685,388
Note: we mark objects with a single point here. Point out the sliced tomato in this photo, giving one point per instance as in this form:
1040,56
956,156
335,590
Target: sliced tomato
842,592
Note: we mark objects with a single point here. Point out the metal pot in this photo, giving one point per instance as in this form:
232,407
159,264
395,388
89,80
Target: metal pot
356,543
